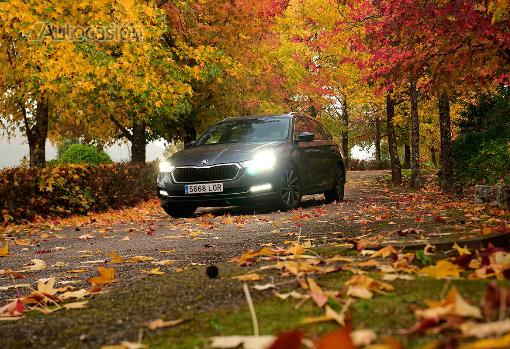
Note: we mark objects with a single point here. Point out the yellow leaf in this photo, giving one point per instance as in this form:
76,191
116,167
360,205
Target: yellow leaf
296,249
141,259
154,271
116,258
248,277
106,276
461,250
442,269
4,251
493,343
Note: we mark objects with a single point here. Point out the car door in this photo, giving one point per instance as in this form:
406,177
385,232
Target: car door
327,156
309,156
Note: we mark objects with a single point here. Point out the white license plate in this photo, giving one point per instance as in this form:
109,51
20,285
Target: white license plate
203,188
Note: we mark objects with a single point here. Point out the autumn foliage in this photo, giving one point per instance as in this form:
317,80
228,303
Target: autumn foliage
64,190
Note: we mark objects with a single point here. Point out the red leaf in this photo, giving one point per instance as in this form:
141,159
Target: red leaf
288,340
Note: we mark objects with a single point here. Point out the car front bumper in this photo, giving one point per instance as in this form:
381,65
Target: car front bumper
235,192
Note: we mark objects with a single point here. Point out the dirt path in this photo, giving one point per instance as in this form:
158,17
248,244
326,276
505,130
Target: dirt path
213,236
72,255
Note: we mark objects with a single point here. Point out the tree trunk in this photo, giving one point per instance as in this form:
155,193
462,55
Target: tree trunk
378,142
415,135
446,142
433,155
138,142
37,134
345,132
396,170
407,156
190,134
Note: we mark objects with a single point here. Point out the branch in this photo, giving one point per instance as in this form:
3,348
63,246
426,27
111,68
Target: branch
121,128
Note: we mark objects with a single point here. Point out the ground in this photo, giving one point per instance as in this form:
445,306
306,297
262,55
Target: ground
136,242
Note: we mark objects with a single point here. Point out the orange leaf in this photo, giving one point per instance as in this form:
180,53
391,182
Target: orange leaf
106,276
338,339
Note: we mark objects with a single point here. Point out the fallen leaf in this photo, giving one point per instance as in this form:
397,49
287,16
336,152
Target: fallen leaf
75,305
287,340
37,264
141,259
154,271
248,277
338,339
247,342
116,258
487,329
4,251
442,269
362,338
106,276
160,323
264,287
493,343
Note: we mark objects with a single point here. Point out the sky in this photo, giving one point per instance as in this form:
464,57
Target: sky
14,149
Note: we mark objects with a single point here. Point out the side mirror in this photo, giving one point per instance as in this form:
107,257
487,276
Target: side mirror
189,144
306,137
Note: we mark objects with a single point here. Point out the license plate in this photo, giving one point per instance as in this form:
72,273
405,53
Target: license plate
203,188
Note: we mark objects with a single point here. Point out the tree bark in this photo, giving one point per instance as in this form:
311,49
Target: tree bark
138,142
37,133
378,142
396,170
433,155
407,156
447,182
345,132
415,135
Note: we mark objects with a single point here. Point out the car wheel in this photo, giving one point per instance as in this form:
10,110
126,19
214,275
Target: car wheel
181,211
337,193
290,189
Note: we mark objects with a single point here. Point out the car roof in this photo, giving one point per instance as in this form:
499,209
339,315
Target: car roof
286,115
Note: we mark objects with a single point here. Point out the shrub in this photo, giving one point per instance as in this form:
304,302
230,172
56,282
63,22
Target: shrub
483,157
482,151
63,190
83,154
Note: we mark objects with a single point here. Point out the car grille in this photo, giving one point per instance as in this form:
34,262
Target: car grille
205,174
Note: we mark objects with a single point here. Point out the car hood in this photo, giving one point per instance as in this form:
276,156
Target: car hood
218,153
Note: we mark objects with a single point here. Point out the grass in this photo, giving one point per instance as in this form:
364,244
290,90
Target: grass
387,314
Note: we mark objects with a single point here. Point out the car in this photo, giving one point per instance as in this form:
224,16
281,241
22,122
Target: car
269,160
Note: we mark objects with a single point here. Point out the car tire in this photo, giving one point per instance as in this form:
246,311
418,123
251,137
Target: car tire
338,190
181,211
290,189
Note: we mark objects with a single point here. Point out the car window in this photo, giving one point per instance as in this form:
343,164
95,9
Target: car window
247,131
302,125
321,134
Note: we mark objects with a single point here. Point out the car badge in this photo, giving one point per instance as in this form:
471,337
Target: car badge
205,162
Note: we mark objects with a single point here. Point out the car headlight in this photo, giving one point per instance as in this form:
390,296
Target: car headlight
264,160
165,167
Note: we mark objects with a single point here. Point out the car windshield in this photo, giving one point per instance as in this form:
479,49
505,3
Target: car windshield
247,131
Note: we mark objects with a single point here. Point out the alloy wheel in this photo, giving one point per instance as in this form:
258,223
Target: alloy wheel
291,189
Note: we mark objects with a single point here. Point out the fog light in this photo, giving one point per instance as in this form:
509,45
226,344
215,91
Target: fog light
163,193
263,187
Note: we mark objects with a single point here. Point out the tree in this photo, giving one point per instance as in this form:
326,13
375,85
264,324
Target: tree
39,71
414,38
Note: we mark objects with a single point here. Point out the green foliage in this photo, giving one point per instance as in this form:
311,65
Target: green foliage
73,189
84,154
482,151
